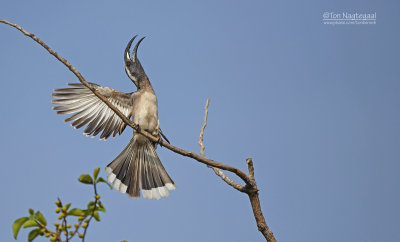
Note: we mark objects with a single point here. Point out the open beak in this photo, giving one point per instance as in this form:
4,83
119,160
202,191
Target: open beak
133,67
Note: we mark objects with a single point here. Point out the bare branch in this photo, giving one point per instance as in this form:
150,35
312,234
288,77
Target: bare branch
228,180
250,188
250,167
258,215
71,68
217,171
203,127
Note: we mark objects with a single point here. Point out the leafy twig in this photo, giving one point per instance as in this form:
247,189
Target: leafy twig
38,221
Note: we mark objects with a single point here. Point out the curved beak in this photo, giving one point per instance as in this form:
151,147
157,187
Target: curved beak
126,53
133,68
134,52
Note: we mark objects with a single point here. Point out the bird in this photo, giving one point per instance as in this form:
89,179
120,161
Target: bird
138,167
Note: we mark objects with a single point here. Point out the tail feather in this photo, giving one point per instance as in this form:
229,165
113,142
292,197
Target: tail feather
137,168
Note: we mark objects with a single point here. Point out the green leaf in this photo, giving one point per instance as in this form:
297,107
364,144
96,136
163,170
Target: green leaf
68,205
101,179
41,218
86,179
33,234
17,225
96,173
101,209
31,211
90,206
87,212
96,215
76,212
31,223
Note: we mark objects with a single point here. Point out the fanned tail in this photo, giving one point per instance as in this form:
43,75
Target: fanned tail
138,167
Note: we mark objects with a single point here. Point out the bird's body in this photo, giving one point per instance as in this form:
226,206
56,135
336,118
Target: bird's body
146,111
137,167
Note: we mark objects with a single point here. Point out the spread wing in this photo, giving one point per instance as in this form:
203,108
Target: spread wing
88,109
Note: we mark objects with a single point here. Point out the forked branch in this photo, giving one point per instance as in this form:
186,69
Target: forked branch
250,187
217,171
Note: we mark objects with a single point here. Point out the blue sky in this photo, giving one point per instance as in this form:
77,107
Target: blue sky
315,106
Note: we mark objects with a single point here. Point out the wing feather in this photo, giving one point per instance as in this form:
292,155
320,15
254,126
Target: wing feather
87,109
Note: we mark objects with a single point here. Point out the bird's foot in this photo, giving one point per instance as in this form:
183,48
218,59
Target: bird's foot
159,141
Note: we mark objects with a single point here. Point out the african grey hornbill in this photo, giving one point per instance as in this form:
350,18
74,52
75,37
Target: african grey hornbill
137,166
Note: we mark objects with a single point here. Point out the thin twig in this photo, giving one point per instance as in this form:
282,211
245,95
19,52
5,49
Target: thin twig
66,229
228,180
203,127
93,211
76,229
250,188
217,171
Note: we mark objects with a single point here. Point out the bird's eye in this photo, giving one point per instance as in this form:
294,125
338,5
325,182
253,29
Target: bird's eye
128,63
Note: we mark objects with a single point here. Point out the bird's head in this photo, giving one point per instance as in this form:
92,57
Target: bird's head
133,68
